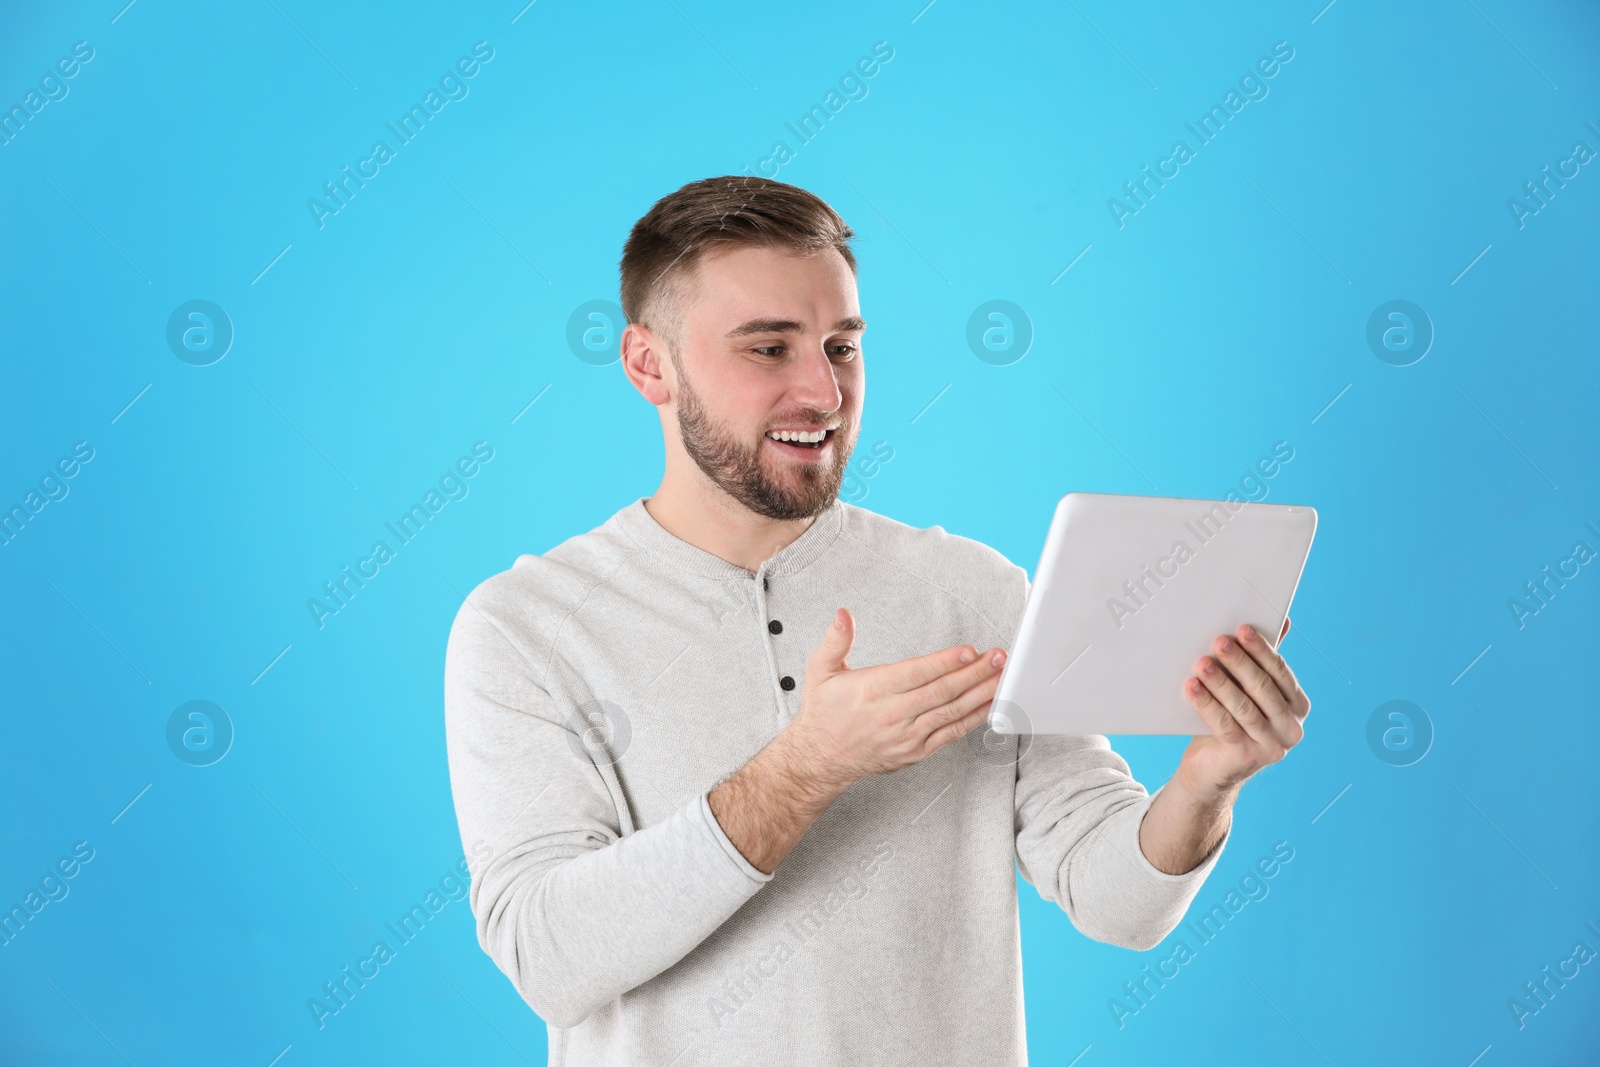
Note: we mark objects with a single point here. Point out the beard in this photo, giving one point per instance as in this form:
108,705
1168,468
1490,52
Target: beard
774,487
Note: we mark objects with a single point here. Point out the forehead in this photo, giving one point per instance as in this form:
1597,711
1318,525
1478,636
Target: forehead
744,282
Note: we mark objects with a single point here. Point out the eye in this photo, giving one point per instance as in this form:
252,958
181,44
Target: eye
845,350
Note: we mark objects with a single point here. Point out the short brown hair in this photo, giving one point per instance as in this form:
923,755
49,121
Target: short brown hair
734,209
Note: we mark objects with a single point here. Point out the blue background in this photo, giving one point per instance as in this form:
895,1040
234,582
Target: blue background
1228,314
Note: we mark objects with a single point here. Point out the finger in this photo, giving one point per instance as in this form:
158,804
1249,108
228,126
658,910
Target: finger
1240,706
1261,688
946,690
1223,725
911,674
973,714
949,721
1273,663
960,728
828,657
1285,631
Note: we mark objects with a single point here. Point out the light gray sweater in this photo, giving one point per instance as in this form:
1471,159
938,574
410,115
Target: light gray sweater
596,694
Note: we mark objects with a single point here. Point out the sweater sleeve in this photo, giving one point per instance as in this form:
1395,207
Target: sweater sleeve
572,911
1078,811
1078,815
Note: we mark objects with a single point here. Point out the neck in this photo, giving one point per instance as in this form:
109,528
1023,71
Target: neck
714,522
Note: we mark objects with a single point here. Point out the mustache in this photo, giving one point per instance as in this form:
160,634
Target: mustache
841,423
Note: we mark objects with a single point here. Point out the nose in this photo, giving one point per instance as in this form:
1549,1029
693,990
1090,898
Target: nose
817,384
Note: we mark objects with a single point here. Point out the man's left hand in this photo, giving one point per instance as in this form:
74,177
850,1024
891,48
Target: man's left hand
1254,706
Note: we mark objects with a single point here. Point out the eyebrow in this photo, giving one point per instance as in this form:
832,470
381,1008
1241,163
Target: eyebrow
849,322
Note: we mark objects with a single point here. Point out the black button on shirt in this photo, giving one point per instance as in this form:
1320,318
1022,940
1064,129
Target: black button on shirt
775,626
787,682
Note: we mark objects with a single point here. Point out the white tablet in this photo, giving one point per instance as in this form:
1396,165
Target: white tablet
1130,592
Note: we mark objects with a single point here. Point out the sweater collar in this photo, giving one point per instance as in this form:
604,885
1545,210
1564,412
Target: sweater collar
650,535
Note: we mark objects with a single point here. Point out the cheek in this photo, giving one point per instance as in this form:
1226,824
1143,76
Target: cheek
852,393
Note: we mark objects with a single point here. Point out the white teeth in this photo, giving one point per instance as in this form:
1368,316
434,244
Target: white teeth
792,435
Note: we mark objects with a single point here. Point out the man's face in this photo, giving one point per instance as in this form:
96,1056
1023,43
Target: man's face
771,341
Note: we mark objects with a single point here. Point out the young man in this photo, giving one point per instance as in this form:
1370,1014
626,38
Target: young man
699,835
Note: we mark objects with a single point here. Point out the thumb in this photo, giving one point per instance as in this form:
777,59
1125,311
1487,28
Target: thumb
829,656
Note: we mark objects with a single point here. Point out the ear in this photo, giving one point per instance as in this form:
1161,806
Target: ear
643,355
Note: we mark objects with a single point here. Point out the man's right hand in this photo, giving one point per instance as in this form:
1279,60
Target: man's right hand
856,723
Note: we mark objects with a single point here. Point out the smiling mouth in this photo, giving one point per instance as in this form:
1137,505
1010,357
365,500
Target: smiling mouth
801,446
